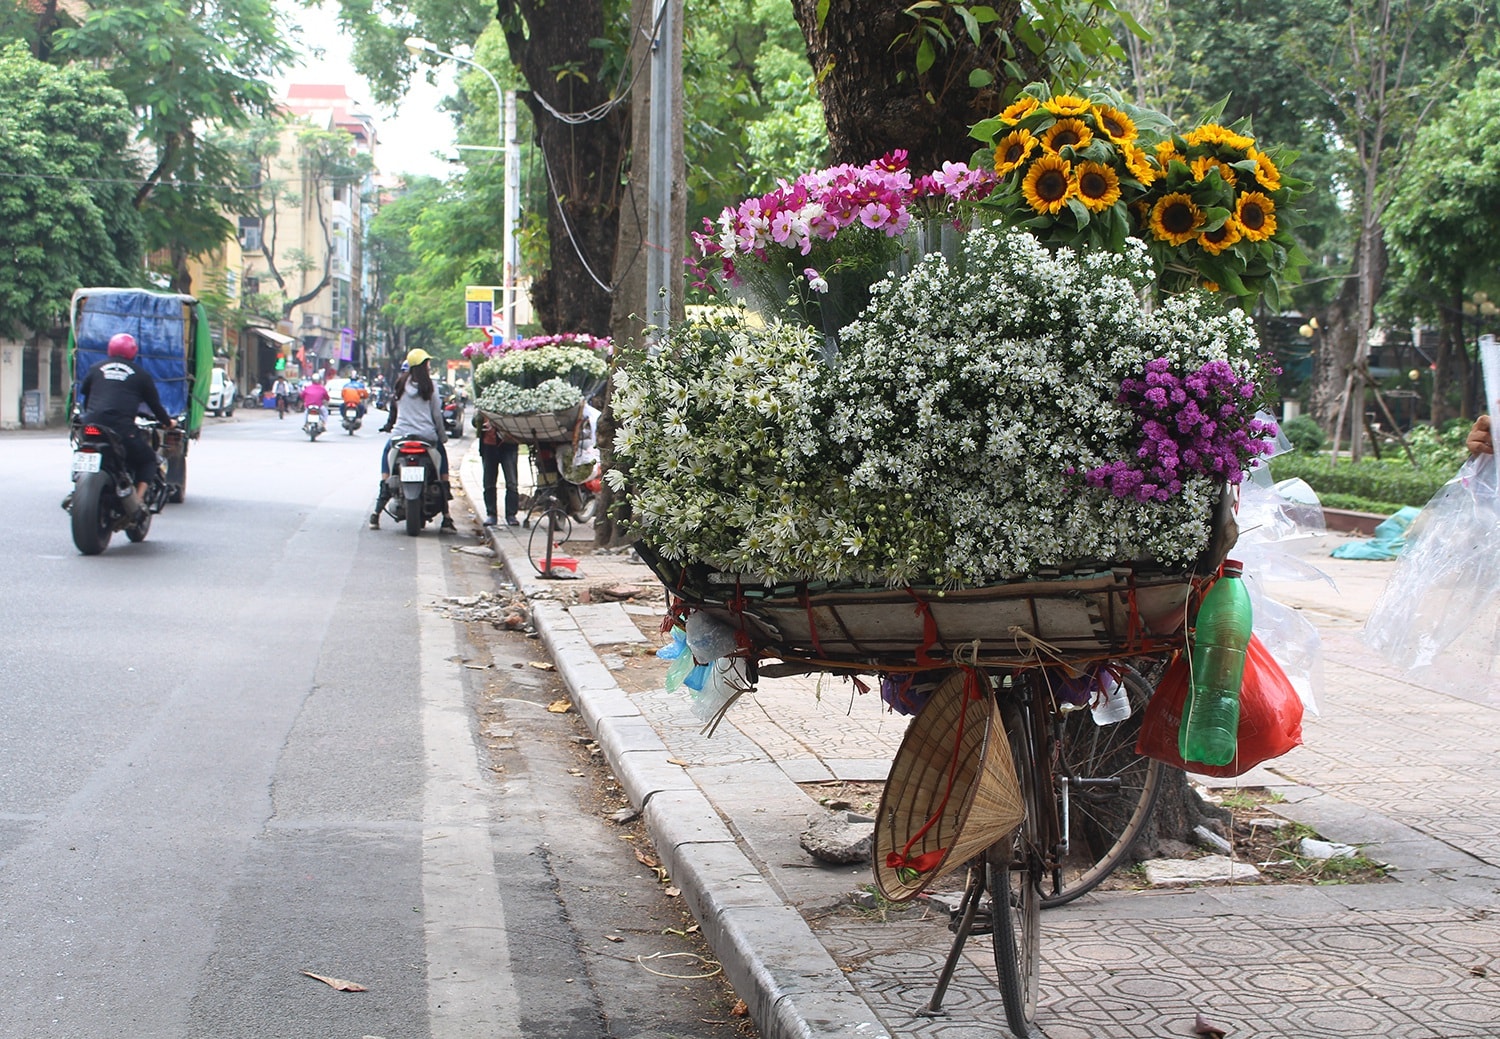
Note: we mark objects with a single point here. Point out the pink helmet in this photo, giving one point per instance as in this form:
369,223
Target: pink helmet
122,344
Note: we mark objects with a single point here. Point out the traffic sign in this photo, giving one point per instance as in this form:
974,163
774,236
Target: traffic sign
479,305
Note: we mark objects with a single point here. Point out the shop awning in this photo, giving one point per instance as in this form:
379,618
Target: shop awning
273,336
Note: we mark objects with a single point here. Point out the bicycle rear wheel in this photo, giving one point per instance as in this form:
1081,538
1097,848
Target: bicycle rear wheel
1106,793
1014,871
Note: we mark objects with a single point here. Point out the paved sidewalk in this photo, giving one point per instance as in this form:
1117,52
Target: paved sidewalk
1410,773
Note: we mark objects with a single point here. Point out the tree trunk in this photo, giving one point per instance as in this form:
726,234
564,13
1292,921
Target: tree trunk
1179,810
1339,345
874,101
1450,350
550,42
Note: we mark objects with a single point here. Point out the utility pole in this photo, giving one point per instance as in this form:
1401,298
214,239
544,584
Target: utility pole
661,279
510,247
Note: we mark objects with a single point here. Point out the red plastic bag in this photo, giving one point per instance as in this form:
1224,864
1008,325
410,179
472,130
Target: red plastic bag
1270,716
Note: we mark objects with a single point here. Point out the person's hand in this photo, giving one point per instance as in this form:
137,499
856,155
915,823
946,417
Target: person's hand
1479,441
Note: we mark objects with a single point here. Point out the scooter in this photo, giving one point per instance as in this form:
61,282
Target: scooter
417,493
352,421
313,425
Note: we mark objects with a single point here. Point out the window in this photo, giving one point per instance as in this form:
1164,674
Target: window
252,285
250,234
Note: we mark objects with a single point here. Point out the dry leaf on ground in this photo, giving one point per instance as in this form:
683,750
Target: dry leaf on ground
337,983
559,707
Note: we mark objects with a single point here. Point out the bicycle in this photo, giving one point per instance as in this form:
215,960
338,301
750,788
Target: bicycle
1086,796
554,506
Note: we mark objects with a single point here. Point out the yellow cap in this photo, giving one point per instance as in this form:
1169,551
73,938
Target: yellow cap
417,356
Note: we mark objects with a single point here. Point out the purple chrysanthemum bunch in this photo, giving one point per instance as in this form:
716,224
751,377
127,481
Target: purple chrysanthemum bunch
1200,424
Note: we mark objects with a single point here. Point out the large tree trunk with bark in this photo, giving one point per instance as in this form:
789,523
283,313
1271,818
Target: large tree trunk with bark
550,44
874,100
1338,345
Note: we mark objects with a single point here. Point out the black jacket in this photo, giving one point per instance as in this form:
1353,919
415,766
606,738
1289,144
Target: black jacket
113,392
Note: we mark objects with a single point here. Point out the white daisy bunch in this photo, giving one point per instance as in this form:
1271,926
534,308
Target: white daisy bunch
969,399
506,398
718,437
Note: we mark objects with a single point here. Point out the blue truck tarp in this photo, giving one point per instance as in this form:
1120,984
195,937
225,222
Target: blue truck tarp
169,331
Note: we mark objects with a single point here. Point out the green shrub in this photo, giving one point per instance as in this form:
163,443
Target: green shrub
1305,434
1377,481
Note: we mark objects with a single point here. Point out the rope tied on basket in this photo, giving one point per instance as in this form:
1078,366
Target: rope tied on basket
907,866
929,632
1029,645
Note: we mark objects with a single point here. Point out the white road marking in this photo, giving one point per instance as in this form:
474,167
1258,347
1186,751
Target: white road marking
470,991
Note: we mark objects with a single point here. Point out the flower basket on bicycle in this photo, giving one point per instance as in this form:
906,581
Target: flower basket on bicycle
1080,613
539,427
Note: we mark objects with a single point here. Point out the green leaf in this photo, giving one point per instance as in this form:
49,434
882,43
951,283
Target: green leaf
822,15
979,78
925,56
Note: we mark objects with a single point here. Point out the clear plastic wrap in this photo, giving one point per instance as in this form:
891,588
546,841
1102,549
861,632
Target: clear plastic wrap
1439,614
1272,516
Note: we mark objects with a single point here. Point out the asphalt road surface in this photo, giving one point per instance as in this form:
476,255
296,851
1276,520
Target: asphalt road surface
257,744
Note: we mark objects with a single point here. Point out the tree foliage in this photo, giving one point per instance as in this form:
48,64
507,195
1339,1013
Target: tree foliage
185,67
286,194
66,178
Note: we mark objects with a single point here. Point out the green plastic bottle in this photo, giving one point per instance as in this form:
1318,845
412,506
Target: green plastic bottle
1211,716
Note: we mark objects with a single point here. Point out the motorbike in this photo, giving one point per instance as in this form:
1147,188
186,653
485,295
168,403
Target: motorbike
566,483
453,416
313,425
102,481
417,491
352,421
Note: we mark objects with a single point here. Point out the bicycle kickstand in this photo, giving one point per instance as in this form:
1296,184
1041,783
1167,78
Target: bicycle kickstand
968,909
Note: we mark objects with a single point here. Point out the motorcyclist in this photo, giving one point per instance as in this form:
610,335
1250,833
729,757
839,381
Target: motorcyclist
111,395
354,395
416,411
315,395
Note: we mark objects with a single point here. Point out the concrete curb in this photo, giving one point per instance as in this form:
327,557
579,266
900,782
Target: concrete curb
793,987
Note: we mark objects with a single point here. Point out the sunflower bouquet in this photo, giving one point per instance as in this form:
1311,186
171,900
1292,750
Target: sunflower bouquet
1218,213
1070,166
1090,171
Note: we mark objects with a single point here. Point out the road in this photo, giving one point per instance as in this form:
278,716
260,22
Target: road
256,744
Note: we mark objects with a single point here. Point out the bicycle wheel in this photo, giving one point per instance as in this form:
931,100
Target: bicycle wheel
1105,792
1014,871
550,530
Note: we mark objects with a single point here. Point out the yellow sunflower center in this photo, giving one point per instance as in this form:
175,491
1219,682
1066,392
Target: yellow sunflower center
1067,133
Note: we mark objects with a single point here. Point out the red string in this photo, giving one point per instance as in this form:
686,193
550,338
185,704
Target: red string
812,621
930,859
929,633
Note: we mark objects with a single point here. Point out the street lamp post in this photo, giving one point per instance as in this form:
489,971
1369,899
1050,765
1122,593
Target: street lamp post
505,101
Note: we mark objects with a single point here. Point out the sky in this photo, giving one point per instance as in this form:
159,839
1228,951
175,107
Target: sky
407,137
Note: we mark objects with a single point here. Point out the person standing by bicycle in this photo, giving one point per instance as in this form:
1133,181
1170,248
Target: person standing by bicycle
499,454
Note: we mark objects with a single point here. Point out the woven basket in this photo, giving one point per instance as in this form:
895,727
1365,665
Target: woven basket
971,800
539,427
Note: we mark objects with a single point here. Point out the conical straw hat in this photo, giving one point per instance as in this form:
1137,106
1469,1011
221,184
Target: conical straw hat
953,775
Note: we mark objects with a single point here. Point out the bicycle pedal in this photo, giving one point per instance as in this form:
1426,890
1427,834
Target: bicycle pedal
981,926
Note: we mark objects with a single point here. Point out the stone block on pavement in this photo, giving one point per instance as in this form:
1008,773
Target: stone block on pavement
1209,869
